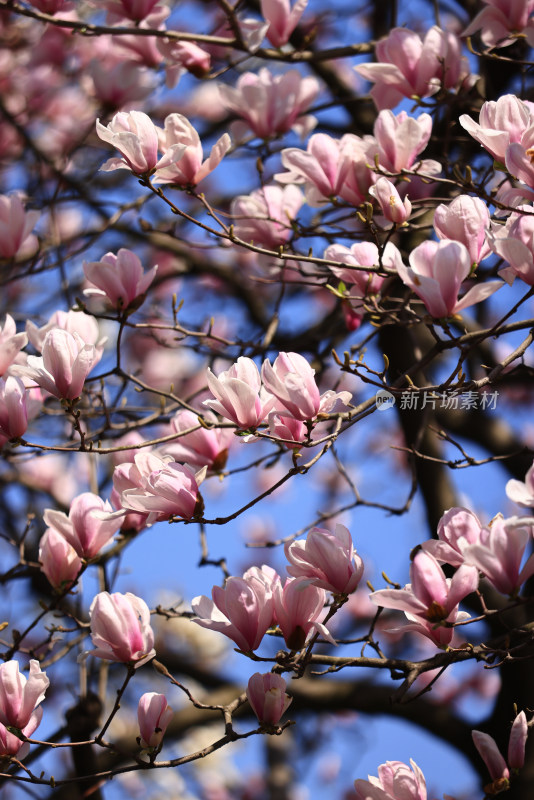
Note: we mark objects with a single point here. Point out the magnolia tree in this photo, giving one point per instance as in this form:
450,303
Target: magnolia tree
266,313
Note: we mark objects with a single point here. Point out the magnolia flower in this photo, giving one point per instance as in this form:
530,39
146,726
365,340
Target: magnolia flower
436,273
396,781
327,559
400,138
120,278
20,696
271,104
331,168
85,528
266,694
359,264
58,559
242,610
64,365
135,136
72,321
391,205
239,394
501,123
153,716
181,143
501,22
465,219
13,407
430,599
265,216
16,225
298,606
515,244
158,487
498,769
291,381
499,552
11,343
120,628
457,529
201,447
522,492
410,67
282,19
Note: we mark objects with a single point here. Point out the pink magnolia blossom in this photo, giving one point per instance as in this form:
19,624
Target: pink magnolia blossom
282,19
298,606
396,781
499,552
465,219
457,529
120,628
291,381
143,49
522,492
498,769
266,694
16,225
265,216
116,83
436,273
183,57
502,21
11,343
331,168
271,104
158,487
239,394
13,407
293,431
201,447
409,67
515,244
135,136
391,205
72,321
430,599
84,528
501,123
358,266
400,139
180,142
519,160
20,696
327,559
153,716
64,365
242,610
11,745
120,278
59,560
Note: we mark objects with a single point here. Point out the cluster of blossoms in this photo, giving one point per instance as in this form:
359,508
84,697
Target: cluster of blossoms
247,607
286,394
496,552
398,781
138,140
70,538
